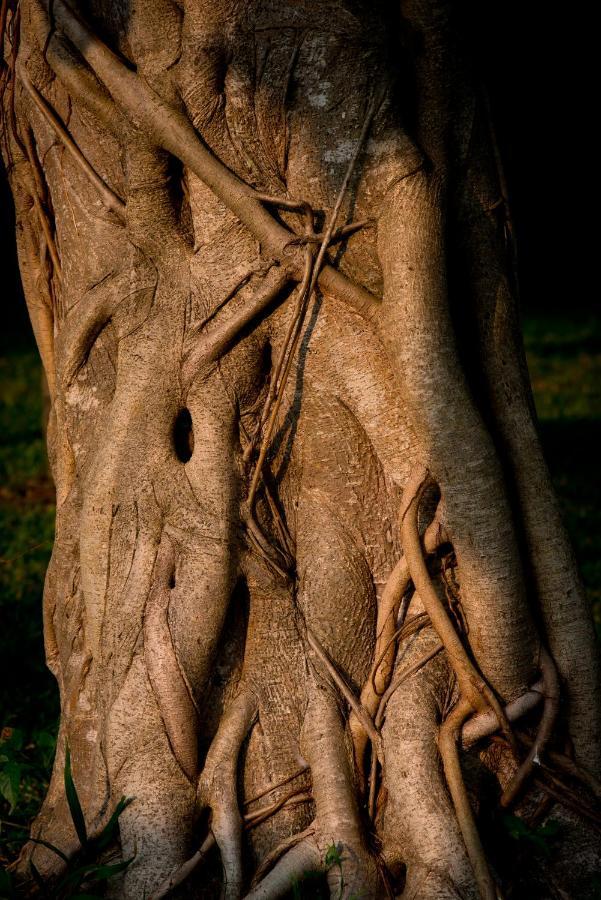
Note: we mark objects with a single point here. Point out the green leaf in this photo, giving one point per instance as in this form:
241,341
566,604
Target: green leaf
515,826
44,739
73,800
550,829
45,744
51,847
540,837
7,891
11,737
333,856
92,872
108,832
38,879
10,783
104,873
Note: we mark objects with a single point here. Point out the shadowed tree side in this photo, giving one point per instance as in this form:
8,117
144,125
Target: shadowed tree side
310,598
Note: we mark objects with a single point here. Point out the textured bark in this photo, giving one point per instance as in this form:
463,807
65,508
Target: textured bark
304,528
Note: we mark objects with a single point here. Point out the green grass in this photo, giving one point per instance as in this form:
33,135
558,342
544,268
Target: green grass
28,698
564,355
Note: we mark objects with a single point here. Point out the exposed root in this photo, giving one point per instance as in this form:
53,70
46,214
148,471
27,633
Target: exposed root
171,689
302,854
447,743
217,788
551,694
250,821
336,828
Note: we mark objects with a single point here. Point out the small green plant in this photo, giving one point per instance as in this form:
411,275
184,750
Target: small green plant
539,838
21,762
334,858
82,878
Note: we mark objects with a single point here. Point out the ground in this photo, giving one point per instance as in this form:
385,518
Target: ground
564,355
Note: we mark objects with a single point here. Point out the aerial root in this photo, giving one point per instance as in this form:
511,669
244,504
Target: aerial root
278,381
217,788
474,693
387,638
355,704
486,723
551,694
219,339
89,317
471,684
185,870
351,869
567,766
550,778
334,844
109,198
556,789
447,744
39,195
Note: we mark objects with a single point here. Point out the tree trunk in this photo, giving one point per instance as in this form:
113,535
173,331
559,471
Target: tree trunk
310,586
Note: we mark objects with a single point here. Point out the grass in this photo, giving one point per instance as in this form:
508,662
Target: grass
564,355
28,697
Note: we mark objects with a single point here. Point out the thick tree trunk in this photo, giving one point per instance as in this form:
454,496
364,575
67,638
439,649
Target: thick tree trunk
307,550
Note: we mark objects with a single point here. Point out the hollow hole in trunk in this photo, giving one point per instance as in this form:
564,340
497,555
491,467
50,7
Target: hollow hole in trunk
180,194
183,435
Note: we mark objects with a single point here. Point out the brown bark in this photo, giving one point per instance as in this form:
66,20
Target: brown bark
307,551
